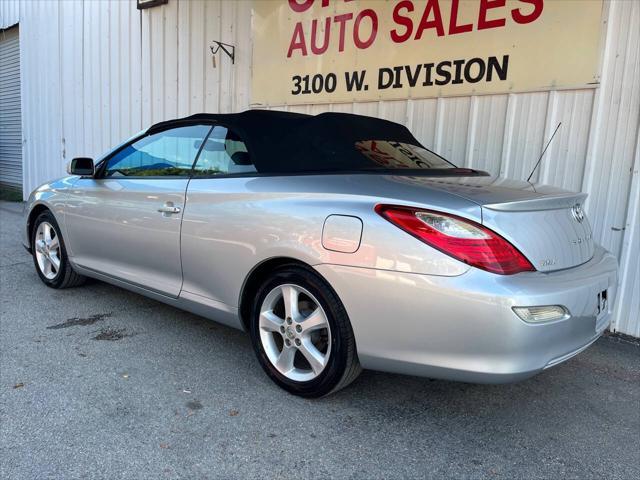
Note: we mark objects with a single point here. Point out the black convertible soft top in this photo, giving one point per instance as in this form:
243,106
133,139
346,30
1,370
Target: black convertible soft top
285,142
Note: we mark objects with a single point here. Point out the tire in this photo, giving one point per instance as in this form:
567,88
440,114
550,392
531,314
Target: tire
270,329
56,276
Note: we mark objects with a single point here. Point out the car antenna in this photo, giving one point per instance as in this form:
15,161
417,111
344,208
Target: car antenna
542,154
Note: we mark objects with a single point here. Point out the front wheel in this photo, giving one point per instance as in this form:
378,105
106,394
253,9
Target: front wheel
302,335
50,254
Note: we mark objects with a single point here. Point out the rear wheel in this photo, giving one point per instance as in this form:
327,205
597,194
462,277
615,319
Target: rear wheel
302,335
50,255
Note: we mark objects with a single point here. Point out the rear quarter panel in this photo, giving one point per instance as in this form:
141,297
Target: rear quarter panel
231,225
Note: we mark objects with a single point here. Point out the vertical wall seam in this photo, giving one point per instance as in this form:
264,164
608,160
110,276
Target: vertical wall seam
141,74
440,107
60,93
550,124
472,125
204,58
177,57
509,122
597,113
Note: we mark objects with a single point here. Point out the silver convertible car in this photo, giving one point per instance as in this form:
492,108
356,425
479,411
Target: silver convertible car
338,242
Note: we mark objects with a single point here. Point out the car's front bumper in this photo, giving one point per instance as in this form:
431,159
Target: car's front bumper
463,328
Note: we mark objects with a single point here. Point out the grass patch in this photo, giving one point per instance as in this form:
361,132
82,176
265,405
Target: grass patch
8,194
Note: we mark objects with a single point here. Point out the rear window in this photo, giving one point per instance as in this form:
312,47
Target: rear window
345,143
392,155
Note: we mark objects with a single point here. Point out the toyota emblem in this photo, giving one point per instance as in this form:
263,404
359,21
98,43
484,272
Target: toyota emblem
577,212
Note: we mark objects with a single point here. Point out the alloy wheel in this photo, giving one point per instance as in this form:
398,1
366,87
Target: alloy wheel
47,249
295,332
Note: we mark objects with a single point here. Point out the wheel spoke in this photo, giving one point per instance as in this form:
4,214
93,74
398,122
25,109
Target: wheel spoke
47,233
46,267
290,296
41,261
270,322
55,243
315,358
53,257
40,245
315,321
284,363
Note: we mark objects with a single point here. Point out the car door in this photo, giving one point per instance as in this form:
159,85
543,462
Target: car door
126,221
217,228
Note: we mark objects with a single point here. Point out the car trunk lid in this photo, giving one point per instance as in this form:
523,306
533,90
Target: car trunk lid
546,224
553,233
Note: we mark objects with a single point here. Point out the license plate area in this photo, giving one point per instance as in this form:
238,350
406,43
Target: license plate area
602,309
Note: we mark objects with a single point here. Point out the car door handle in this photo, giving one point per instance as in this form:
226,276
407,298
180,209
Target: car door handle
169,209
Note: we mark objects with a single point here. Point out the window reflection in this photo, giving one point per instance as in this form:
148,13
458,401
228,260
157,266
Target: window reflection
224,152
167,153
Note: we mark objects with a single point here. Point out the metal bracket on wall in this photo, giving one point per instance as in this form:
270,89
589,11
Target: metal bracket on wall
142,4
226,48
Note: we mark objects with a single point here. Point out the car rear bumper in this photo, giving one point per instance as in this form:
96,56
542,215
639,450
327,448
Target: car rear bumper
463,328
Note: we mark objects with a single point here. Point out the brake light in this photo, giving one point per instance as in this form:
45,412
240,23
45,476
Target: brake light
459,238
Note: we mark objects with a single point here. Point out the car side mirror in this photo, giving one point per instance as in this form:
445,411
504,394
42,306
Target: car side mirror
81,166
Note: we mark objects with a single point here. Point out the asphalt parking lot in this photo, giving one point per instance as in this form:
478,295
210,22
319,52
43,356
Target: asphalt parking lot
96,382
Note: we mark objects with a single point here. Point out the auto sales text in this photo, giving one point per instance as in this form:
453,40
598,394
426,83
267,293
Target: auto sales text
412,20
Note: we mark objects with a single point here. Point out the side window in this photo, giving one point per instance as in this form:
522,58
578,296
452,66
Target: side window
167,153
224,152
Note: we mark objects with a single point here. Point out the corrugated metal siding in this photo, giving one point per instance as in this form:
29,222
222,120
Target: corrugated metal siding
123,69
109,69
628,304
10,119
9,13
41,100
178,77
611,165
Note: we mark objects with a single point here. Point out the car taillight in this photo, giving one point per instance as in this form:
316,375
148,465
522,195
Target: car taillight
462,239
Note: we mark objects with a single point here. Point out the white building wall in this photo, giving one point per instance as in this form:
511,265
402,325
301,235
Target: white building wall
95,72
